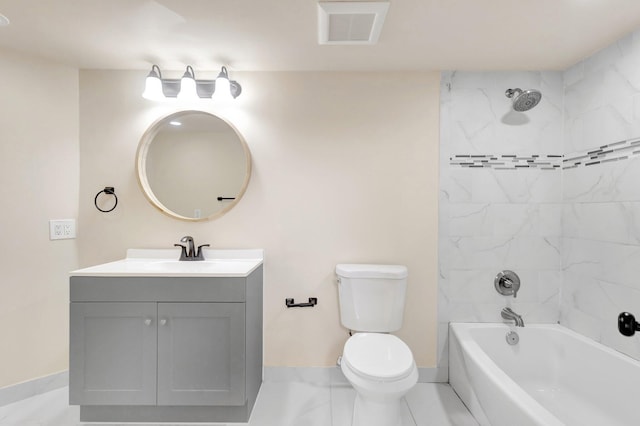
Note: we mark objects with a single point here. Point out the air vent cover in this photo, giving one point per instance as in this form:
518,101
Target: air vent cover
350,22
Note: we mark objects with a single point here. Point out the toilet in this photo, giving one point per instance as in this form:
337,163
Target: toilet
379,366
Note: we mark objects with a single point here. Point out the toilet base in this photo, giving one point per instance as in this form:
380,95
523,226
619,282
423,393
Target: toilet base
367,412
379,398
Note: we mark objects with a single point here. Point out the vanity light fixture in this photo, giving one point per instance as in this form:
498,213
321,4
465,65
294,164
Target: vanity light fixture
188,87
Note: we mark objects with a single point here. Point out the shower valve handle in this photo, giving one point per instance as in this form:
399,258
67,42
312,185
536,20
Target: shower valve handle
507,283
627,324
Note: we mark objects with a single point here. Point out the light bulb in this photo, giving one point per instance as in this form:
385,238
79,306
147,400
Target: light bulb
188,89
153,86
223,89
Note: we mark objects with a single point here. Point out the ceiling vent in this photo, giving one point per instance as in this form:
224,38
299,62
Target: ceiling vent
350,22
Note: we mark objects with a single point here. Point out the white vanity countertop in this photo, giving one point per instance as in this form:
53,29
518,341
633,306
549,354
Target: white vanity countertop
165,263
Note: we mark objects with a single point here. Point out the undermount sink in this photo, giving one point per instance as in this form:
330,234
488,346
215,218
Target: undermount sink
165,263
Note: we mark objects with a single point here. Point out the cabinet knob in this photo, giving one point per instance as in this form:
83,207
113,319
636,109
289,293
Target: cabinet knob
163,321
147,321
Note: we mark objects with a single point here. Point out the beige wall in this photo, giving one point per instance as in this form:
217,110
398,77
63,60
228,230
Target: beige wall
345,169
39,181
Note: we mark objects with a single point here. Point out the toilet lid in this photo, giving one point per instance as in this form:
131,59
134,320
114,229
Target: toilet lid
378,356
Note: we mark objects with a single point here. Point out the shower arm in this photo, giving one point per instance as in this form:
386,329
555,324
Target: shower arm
510,93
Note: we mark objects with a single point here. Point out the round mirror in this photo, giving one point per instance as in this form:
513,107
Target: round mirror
193,165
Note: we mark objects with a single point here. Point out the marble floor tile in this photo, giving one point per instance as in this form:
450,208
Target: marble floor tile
278,404
292,404
47,409
342,398
436,404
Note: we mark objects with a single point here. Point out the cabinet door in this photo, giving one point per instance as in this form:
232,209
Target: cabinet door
112,353
201,354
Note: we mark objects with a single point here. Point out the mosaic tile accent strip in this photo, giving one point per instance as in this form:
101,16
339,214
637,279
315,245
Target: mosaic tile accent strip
616,151
507,161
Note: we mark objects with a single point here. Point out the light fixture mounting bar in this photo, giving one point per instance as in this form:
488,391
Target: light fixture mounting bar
171,87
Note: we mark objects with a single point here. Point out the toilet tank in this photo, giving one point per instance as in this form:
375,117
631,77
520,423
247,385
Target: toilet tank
371,296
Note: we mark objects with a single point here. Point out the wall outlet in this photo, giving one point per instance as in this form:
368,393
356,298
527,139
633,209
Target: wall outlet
62,229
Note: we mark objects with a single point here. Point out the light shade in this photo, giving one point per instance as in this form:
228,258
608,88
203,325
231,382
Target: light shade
153,85
222,89
188,90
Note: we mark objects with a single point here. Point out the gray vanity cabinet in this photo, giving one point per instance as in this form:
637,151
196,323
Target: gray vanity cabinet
147,349
113,353
201,354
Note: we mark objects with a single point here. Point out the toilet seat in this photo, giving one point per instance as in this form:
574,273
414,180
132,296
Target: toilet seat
378,357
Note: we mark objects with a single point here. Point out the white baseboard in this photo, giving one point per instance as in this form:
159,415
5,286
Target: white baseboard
333,375
433,375
19,391
317,375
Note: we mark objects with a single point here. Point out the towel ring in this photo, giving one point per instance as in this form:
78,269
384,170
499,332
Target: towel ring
109,190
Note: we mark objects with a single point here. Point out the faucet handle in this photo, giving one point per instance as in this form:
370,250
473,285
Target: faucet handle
183,254
199,254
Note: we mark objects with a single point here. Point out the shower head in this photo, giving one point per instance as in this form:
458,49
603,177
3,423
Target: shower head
523,100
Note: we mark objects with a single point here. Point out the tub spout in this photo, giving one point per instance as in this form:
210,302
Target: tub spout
508,314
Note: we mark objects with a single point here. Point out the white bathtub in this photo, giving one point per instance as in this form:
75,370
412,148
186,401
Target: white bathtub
552,377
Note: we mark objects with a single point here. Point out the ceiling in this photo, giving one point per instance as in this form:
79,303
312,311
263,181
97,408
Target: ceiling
275,35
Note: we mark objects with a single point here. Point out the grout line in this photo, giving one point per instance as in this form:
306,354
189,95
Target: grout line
406,403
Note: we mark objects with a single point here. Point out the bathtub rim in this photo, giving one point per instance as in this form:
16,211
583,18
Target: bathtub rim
460,331
459,325
513,392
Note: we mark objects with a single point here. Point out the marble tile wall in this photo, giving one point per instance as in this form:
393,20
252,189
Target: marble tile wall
601,200
505,215
571,232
